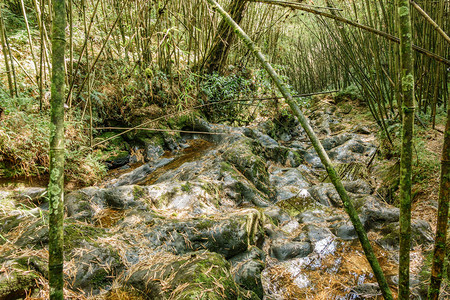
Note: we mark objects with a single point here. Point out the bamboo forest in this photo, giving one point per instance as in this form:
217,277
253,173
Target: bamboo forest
218,149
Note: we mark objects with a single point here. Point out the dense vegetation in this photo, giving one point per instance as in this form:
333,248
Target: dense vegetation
157,64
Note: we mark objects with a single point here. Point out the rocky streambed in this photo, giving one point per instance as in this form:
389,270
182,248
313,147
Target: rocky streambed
237,213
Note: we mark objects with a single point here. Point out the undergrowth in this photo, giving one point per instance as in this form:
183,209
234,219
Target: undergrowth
425,164
24,143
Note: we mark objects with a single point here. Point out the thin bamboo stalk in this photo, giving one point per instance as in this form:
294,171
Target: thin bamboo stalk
352,23
370,255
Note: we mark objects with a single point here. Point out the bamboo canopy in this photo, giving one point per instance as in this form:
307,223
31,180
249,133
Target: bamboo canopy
350,209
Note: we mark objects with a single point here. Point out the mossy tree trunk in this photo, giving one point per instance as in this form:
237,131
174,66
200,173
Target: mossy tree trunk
56,184
319,149
217,57
442,218
407,81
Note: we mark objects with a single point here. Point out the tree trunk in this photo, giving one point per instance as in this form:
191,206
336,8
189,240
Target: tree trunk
442,219
217,57
407,76
56,184
319,149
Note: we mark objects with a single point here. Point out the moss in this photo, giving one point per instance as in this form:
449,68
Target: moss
226,167
205,223
186,187
165,198
215,190
298,158
100,278
117,141
138,192
17,284
74,233
253,167
119,155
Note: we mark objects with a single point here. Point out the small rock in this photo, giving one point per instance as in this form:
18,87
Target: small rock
283,250
316,233
345,231
277,214
365,290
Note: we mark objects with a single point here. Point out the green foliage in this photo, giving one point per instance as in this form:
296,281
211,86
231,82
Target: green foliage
351,92
426,164
24,143
217,89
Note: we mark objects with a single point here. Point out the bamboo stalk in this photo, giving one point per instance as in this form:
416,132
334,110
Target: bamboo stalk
101,50
5,55
30,42
407,73
370,255
352,23
430,20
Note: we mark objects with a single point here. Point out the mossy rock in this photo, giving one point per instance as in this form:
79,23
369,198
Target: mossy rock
185,121
119,155
116,142
245,190
75,233
196,275
227,236
16,281
241,155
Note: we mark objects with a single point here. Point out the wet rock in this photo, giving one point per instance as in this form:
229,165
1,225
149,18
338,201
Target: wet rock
192,276
335,141
374,213
153,152
274,232
290,226
365,291
313,159
361,129
35,234
358,187
119,161
326,194
282,177
288,182
240,154
33,194
16,280
185,197
316,233
229,236
421,234
247,268
311,216
96,266
13,219
277,215
82,204
140,173
263,139
345,231
283,250
239,188
124,197
351,151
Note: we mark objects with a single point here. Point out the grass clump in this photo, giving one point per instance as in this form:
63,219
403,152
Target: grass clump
24,143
